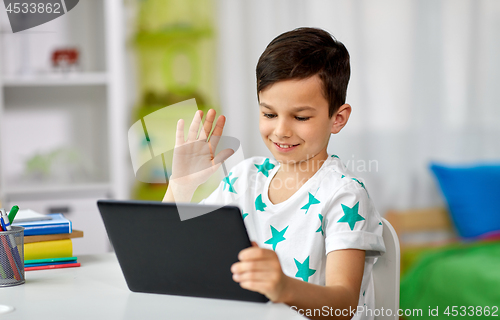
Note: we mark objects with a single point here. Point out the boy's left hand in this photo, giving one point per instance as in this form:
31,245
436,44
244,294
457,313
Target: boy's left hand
260,270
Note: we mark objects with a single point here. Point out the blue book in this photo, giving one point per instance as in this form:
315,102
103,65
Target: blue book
58,224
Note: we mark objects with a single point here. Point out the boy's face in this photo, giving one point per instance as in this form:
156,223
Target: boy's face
294,122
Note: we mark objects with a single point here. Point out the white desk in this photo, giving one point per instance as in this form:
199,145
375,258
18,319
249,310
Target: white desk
97,290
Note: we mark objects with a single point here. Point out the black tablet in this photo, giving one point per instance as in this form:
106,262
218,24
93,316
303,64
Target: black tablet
159,253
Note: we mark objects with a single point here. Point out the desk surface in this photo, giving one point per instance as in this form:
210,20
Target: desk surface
97,290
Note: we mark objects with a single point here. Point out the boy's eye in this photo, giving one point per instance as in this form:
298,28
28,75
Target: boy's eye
302,118
269,115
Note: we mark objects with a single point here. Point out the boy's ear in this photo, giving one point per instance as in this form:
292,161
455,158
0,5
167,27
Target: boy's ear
341,117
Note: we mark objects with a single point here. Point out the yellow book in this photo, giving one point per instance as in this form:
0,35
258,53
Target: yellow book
48,249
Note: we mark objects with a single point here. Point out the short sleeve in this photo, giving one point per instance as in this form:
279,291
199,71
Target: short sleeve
352,222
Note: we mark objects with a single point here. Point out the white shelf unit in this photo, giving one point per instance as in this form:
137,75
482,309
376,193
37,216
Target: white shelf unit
71,79
83,113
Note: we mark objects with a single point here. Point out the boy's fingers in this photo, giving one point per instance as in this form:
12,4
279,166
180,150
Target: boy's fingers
256,286
213,142
179,135
219,126
217,133
195,125
255,253
254,244
261,276
253,266
207,126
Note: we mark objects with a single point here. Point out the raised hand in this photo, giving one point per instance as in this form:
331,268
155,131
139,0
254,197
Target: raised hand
194,159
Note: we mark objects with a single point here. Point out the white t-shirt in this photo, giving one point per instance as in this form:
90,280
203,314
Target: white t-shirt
331,211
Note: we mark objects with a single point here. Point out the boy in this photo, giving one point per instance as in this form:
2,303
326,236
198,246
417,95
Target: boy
315,230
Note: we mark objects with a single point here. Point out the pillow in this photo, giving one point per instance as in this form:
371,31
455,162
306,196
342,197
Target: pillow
473,197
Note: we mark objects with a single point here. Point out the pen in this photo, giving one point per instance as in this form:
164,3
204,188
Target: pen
2,221
12,214
13,266
3,275
2,227
2,270
10,243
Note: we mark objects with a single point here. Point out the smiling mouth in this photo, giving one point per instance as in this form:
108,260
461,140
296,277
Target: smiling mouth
285,146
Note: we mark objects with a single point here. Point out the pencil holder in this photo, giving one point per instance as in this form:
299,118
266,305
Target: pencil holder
12,257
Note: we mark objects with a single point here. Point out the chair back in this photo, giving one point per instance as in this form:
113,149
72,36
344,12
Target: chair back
386,276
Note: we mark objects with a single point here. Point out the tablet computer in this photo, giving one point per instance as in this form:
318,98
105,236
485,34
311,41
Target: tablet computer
159,253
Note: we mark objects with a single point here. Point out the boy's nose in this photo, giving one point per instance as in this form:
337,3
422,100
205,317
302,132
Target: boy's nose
282,129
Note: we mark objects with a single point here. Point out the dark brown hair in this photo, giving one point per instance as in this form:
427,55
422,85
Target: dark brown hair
303,53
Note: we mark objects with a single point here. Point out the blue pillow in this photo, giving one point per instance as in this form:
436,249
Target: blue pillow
473,196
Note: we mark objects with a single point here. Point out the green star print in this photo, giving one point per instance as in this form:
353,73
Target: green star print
351,215
230,183
303,270
265,167
312,200
322,224
278,236
259,205
360,183
245,215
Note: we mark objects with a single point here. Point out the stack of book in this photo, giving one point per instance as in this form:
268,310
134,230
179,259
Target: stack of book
47,240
